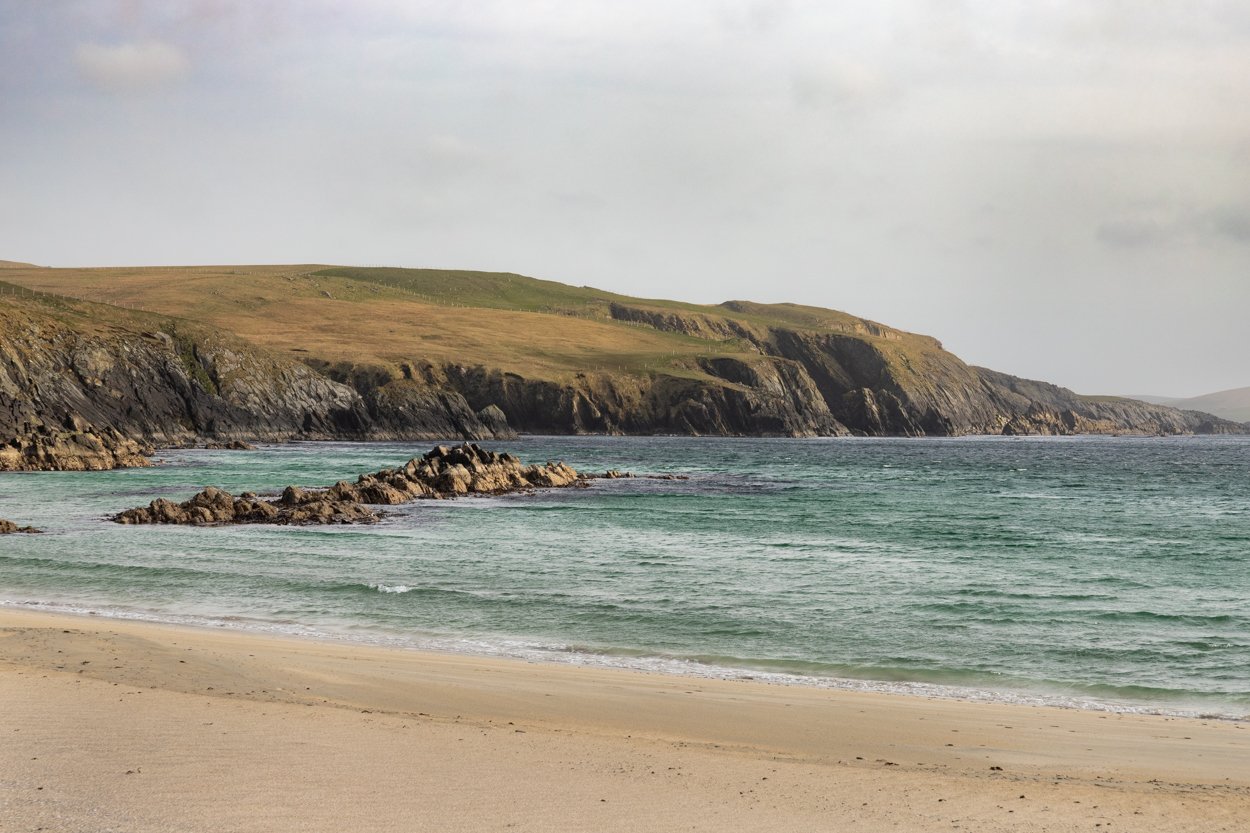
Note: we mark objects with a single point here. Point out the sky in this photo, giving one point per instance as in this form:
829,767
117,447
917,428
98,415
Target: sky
1055,189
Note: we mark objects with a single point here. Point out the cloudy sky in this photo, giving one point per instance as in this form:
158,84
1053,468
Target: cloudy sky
1058,189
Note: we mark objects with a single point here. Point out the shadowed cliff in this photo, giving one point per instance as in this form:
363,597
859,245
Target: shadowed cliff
87,386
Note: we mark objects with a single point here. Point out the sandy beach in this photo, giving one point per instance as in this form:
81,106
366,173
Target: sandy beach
112,725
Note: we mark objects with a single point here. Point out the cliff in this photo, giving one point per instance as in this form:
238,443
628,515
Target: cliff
88,386
282,352
808,372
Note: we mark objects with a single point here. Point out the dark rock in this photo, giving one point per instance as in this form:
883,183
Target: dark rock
251,510
229,445
327,512
495,421
294,496
214,506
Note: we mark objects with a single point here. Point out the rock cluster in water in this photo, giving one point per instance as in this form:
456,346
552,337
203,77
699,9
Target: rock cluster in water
443,472
8,528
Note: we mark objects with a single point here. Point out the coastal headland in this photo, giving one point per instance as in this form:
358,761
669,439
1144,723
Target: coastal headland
99,366
122,725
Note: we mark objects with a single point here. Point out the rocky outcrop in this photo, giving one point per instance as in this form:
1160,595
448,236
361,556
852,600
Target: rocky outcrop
79,449
77,393
442,473
692,324
9,528
399,405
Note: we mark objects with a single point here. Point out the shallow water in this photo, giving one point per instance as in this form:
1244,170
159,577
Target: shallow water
1107,572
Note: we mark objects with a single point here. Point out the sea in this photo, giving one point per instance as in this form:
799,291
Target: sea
1094,572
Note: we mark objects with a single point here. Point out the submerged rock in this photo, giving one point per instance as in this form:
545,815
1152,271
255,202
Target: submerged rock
443,472
228,445
8,528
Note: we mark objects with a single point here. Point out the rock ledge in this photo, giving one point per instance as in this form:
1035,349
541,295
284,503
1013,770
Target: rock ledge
81,448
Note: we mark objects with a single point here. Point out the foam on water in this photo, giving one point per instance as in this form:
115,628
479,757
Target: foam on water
527,651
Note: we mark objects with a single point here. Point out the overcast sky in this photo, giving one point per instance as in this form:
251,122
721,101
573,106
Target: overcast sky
1055,189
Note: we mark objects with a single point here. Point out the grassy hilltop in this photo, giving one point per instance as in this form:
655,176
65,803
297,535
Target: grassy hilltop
537,328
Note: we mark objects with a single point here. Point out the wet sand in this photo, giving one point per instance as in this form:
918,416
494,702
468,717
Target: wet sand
109,725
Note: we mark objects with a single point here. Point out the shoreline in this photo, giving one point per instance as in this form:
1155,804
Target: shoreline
529,651
141,726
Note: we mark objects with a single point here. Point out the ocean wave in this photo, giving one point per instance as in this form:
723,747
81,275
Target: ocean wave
1154,616
946,684
777,548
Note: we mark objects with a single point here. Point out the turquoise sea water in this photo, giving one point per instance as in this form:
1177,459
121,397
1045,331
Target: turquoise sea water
1112,572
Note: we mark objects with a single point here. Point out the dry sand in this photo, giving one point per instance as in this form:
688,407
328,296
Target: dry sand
109,725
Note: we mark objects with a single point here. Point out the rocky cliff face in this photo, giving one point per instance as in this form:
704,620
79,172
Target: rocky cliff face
45,448
862,378
765,398
92,386
82,392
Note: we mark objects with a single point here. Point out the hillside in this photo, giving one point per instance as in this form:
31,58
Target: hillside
86,385
1231,404
563,359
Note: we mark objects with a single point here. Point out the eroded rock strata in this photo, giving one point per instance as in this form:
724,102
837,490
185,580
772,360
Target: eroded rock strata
442,473
870,380
92,386
87,386
81,448
9,528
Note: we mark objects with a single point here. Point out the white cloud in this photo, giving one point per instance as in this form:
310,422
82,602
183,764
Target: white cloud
1231,222
841,85
128,67
758,16
1223,223
1137,231
831,153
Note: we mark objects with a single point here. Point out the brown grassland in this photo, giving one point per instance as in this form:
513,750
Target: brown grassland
539,329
